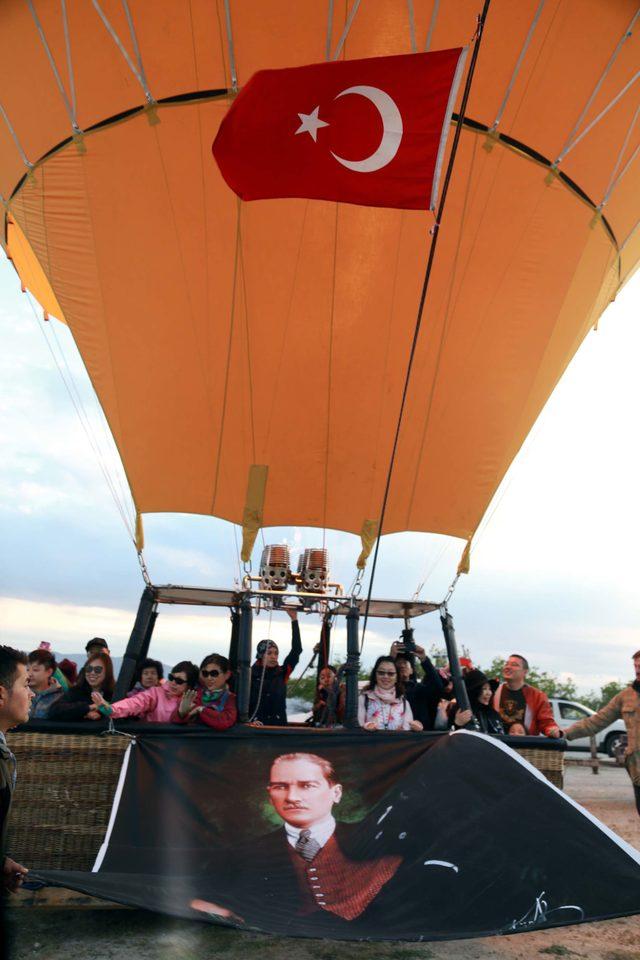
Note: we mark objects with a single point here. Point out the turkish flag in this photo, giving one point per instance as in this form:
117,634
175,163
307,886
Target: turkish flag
370,131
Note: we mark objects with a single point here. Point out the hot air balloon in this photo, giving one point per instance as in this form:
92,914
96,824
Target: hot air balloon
411,375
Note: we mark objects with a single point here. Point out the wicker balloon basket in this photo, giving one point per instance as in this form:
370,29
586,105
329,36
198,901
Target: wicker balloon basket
63,798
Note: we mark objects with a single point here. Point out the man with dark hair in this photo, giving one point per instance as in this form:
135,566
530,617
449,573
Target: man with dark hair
625,704
15,698
523,709
306,865
41,669
97,645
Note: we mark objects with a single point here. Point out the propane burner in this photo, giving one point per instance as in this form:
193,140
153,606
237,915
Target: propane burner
313,570
275,567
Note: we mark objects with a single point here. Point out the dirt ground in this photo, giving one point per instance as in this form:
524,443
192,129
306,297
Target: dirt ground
62,934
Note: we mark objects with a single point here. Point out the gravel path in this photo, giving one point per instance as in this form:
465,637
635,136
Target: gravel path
61,934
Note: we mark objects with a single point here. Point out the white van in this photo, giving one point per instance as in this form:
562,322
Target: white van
566,712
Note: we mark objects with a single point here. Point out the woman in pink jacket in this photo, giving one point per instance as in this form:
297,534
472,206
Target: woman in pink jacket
156,704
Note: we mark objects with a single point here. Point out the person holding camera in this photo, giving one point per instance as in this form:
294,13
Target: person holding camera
425,694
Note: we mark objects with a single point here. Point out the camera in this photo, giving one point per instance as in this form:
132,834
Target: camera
408,644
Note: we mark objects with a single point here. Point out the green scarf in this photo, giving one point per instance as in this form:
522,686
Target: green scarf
212,697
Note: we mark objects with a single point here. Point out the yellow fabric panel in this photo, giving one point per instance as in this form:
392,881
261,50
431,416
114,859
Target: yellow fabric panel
253,508
139,534
220,335
30,271
368,536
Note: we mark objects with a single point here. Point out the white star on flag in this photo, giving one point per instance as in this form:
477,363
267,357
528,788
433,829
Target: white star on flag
310,123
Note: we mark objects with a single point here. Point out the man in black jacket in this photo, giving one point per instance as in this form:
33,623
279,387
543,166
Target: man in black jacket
269,678
15,700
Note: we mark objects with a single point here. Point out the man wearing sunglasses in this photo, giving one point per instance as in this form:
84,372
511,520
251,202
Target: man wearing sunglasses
155,704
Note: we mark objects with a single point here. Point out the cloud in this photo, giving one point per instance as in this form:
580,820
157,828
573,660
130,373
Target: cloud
180,632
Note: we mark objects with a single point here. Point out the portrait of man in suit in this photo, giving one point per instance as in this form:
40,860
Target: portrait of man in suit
305,866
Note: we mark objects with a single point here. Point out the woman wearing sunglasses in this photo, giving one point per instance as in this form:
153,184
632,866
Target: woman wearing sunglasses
95,677
212,703
155,704
382,704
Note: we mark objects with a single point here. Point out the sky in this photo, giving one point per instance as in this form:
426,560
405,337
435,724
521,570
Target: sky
554,567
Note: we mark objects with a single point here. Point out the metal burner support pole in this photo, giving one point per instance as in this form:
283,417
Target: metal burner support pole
243,688
462,697
352,667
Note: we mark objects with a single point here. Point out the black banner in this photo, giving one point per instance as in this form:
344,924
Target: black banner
350,835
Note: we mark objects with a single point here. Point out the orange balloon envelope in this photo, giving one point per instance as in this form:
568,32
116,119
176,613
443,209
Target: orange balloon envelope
250,357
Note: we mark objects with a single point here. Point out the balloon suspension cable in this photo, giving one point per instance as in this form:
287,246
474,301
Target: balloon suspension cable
321,646
297,681
143,568
356,587
435,232
450,591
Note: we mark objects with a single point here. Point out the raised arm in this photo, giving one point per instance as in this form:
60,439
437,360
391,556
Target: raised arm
291,660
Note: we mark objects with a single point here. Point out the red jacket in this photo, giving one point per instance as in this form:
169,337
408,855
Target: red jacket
538,716
220,714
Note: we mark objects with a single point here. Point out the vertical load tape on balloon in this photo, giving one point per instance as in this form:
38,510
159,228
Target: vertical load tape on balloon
253,507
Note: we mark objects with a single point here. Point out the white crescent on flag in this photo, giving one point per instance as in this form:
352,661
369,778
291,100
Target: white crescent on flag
391,131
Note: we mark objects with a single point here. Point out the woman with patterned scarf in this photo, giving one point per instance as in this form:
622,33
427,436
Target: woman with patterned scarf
382,704
212,703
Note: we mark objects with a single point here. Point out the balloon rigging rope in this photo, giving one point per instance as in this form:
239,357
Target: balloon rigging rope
329,30
570,141
615,177
74,395
472,248
347,28
412,26
282,353
232,320
330,376
138,71
432,24
232,58
243,277
533,434
14,136
453,276
519,62
52,63
425,286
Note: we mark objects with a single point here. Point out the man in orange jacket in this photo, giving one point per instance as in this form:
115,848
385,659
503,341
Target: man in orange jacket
523,709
